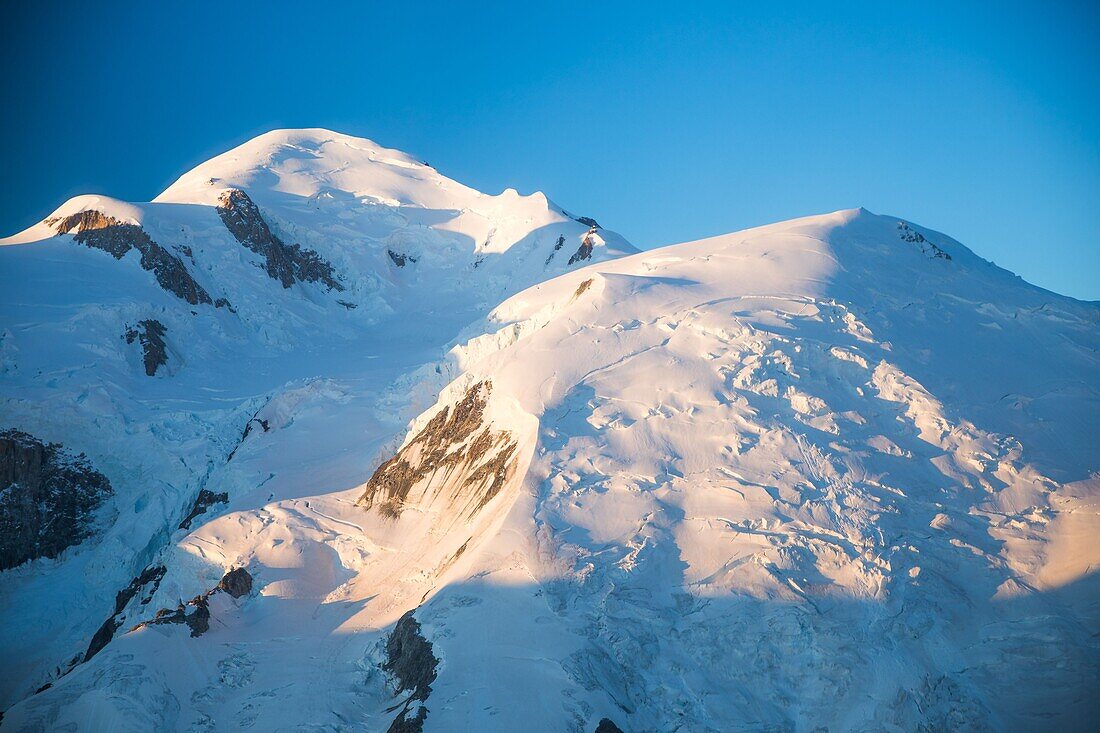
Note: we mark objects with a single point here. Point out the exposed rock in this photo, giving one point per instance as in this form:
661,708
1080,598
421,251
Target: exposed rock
197,620
606,726
195,614
404,724
454,447
411,662
409,658
151,575
102,637
558,245
584,252
203,501
587,221
95,229
264,425
493,474
282,262
582,288
236,582
47,498
914,237
399,258
150,333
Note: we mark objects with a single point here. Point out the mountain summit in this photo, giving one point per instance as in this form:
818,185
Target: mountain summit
364,448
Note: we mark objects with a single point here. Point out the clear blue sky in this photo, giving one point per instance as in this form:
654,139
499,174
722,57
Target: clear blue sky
667,122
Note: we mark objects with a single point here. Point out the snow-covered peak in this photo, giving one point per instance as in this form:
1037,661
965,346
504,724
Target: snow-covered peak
388,233
325,181
317,170
120,211
322,166
307,162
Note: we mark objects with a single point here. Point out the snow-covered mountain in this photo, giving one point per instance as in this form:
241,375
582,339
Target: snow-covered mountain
485,468
300,269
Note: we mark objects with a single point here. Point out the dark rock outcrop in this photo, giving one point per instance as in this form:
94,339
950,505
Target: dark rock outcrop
584,252
236,582
99,231
150,333
912,236
264,425
409,658
47,498
606,726
102,637
454,444
152,575
403,723
195,614
412,663
286,263
203,501
587,221
198,619
557,245
248,427
400,258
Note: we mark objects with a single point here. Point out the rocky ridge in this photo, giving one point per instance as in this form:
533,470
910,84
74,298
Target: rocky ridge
99,231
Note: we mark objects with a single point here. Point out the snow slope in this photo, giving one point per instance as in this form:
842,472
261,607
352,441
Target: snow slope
835,473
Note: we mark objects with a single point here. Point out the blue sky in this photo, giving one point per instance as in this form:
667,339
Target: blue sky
667,122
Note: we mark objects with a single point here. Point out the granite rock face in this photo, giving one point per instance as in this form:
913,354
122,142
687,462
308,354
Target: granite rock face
99,231
412,663
237,583
286,263
47,498
456,448
409,658
584,252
